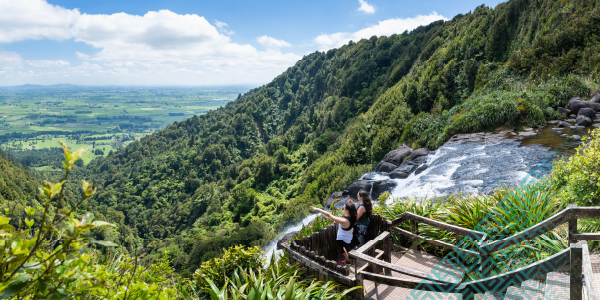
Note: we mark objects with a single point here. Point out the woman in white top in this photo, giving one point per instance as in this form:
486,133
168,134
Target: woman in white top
346,228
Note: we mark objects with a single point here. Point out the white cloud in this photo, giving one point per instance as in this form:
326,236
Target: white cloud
387,28
223,27
12,60
153,46
270,42
366,7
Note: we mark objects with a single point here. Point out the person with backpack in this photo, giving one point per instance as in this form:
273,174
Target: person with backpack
364,210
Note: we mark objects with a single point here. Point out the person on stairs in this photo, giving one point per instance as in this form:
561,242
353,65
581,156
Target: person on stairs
364,210
346,228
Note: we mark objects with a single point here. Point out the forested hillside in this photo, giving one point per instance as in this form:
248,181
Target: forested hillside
237,174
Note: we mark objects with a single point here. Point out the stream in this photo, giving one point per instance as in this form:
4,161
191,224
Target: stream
476,163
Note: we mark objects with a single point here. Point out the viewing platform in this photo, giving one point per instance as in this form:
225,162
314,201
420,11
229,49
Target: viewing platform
387,270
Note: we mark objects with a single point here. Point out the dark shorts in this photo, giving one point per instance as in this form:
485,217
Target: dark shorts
344,245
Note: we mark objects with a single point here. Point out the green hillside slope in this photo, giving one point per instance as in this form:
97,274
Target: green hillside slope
237,174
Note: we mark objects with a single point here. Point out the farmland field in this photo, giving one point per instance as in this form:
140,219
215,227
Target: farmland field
36,117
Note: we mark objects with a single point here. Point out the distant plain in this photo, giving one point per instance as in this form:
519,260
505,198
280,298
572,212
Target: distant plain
108,117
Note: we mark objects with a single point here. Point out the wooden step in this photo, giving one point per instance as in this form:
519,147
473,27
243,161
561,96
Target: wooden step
493,296
533,290
514,293
557,286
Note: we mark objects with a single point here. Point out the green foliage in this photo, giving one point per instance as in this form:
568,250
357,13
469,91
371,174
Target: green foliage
277,281
578,175
218,270
36,266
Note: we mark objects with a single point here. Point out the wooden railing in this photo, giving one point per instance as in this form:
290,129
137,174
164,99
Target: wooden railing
457,230
372,260
323,242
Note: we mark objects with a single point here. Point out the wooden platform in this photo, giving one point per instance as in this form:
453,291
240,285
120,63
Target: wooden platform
419,261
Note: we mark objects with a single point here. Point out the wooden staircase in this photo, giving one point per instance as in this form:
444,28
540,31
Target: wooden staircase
389,271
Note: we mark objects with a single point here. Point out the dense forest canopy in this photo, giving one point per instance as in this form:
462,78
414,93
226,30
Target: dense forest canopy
239,173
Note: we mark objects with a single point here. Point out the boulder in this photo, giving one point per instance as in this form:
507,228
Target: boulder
336,196
419,152
563,111
583,121
369,176
397,156
574,99
381,187
403,171
421,168
576,137
577,105
586,111
563,124
595,98
357,186
286,237
385,167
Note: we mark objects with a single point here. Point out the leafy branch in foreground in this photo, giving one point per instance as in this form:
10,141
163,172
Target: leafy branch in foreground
44,261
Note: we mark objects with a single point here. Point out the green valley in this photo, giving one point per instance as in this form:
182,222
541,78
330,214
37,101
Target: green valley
227,173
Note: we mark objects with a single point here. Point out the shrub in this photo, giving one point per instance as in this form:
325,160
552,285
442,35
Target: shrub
218,269
578,176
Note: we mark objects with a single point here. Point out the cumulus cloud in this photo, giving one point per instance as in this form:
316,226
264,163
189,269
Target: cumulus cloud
271,42
161,43
387,28
366,7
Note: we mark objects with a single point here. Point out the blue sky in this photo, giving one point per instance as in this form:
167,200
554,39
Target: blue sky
183,42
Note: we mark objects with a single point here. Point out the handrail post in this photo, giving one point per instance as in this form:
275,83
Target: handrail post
572,226
414,228
576,269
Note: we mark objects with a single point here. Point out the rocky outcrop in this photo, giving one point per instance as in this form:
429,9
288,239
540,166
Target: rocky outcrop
419,152
369,176
587,112
397,156
421,168
576,105
385,167
595,98
574,99
403,171
381,187
563,111
357,186
583,120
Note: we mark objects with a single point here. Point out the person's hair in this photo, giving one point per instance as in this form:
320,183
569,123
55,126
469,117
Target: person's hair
367,202
353,214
